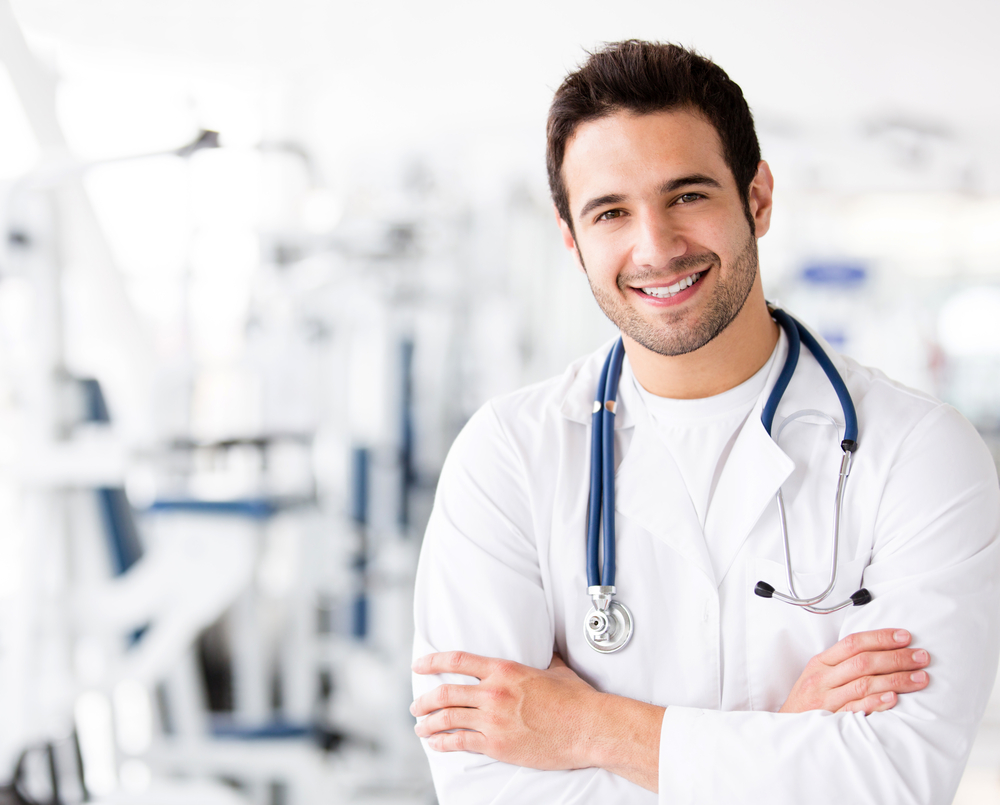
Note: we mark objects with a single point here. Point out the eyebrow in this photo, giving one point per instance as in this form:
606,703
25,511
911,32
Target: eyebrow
667,187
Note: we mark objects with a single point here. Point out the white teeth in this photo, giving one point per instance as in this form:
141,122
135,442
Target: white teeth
676,288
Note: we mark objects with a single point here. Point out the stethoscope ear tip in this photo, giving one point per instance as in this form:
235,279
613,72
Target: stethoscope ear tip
765,590
861,597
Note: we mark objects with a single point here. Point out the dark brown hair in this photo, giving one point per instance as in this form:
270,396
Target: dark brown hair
645,77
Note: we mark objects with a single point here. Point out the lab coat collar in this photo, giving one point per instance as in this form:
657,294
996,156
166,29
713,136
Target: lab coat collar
578,403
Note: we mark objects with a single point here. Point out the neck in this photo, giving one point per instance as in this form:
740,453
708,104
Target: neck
729,359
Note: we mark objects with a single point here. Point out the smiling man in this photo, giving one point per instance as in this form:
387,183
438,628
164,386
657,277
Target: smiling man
719,695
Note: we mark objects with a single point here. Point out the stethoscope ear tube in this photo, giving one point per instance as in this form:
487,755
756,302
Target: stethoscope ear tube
608,462
594,506
608,626
797,334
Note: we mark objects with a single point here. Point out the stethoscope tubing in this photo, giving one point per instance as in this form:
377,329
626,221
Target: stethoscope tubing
601,508
602,472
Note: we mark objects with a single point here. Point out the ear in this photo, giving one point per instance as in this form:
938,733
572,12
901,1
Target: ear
569,241
761,191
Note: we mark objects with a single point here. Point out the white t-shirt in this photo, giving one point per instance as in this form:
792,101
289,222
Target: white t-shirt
700,433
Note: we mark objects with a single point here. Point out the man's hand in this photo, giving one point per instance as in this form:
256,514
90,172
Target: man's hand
516,713
863,673
547,719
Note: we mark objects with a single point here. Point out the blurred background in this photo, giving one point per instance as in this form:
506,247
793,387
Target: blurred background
261,260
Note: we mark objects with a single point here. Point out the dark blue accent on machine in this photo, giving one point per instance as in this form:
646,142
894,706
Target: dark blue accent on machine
259,732
408,475
359,617
97,408
845,275
360,469
359,485
251,508
116,512
124,543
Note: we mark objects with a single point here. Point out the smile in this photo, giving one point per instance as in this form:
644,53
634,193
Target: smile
673,290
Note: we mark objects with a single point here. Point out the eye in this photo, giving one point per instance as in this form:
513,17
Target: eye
687,198
610,215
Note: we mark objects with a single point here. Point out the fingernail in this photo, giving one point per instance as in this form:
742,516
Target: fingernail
901,635
919,676
920,655
886,697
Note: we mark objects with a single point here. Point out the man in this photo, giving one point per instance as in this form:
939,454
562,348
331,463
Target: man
721,696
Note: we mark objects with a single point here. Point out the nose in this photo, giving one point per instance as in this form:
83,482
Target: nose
656,242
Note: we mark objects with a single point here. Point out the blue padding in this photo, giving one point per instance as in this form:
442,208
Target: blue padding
359,485
594,505
608,460
97,407
359,617
788,324
258,732
846,403
119,523
251,508
116,512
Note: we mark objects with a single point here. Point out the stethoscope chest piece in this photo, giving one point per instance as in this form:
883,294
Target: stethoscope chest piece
608,626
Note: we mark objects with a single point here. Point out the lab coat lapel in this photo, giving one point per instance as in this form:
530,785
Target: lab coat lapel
650,492
757,466
750,478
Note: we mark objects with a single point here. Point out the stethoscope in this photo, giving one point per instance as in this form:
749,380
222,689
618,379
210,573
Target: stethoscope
609,623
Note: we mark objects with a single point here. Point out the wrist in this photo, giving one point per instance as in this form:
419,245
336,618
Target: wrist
597,740
623,737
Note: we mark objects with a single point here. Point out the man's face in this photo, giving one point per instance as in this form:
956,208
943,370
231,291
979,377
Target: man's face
661,230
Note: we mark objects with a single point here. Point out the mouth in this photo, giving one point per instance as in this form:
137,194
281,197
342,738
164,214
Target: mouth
667,291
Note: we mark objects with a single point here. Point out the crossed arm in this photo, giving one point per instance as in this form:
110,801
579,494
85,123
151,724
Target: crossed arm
551,719
935,568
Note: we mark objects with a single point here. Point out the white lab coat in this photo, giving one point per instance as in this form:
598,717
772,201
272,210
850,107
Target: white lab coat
502,574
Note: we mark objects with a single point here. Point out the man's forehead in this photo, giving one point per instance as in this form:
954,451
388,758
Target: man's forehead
618,146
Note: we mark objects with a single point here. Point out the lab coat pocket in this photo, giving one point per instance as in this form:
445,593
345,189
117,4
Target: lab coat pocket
782,638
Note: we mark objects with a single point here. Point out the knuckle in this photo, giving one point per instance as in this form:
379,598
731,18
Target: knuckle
860,663
851,642
446,719
862,686
458,659
505,667
811,685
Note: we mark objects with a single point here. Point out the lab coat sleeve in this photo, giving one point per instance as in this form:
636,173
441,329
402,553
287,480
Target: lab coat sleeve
935,570
479,589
